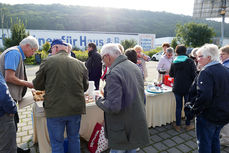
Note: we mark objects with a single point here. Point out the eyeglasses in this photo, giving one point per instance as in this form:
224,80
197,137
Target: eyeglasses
200,56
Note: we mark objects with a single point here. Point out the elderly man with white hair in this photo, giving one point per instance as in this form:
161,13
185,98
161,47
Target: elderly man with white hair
123,103
12,68
210,99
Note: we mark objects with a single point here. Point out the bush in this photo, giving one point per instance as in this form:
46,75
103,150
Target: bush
30,60
152,52
81,55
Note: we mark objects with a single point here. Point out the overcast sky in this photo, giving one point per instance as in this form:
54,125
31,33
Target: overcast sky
173,6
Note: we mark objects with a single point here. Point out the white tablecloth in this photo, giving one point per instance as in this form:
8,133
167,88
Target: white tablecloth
160,108
40,131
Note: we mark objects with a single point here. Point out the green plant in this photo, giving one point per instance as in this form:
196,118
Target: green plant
30,60
17,34
174,43
81,55
46,46
128,43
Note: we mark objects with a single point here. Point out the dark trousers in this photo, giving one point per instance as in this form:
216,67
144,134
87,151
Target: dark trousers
207,135
179,105
7,134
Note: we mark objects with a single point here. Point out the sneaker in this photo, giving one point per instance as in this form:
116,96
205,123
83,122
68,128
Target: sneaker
189,127
138,149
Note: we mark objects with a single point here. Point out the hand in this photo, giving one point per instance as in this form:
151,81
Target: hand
189,113
29,84
11,115
139,62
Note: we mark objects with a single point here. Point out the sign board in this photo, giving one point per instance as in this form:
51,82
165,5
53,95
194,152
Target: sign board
80,39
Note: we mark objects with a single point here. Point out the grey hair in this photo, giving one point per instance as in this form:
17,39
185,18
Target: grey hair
194,51
209,50
69,46
110,49
30,40
170,50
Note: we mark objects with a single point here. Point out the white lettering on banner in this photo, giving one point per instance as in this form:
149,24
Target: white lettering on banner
80,39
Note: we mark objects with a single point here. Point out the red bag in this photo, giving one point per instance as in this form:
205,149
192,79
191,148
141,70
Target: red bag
97,142
93,142
168,81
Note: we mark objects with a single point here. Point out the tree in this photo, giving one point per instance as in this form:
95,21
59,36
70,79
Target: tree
128,43
17,34
174,43
193,34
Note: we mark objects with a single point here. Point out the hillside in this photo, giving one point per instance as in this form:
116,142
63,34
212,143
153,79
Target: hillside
81,18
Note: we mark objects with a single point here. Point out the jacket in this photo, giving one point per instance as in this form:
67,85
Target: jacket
123,106
94,66
64,80
184,73
211,94
7,104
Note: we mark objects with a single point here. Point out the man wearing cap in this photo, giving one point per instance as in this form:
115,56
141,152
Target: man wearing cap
64,79
13,69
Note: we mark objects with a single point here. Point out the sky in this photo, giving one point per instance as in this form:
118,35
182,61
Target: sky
184,7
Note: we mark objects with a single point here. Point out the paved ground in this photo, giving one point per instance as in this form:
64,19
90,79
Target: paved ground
163,139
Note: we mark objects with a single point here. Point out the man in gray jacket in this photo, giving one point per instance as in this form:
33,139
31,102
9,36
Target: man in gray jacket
123,103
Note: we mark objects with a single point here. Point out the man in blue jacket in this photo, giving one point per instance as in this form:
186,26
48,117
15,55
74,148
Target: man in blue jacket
7,110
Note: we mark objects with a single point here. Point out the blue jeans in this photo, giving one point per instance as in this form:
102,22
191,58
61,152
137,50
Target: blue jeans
56,127
123,151
179,105
207,136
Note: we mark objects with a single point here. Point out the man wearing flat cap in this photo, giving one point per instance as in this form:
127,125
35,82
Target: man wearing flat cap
64,79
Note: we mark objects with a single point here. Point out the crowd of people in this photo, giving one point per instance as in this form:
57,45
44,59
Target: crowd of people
200,79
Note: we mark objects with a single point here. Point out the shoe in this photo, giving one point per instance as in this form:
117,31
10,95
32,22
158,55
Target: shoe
138,149
189,127
19,150
177,128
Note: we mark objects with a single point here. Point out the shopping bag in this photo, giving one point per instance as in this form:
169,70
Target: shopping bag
97,142
103,142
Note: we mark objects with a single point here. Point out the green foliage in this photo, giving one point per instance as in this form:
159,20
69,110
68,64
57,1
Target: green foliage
17,34
174,43
30,60
81,55
152,52
76,48
193,34
128,43
46,46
